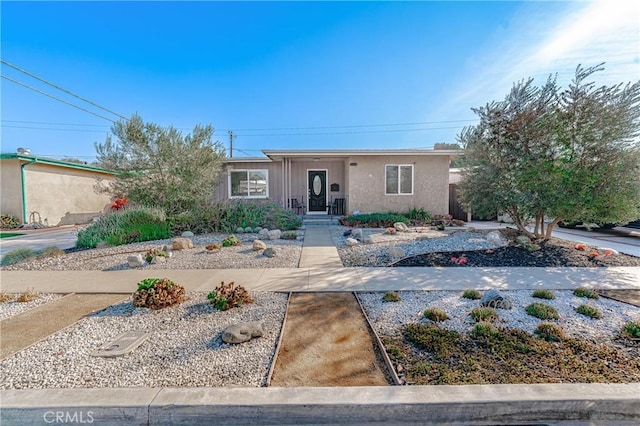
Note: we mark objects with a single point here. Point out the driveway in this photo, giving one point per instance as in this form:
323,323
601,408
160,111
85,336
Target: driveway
62,237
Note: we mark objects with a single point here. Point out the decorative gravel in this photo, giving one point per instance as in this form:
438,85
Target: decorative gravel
388,317
235,257
184,349
12,307
417,241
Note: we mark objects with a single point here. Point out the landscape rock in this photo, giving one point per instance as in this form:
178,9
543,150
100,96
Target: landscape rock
351,242
357,234
135,261
243,332
396,252
494,299
181,244
258,245
270,252
401,227
347,233
367,240
248,230
497,239
264,232
187,234
158,259
274,234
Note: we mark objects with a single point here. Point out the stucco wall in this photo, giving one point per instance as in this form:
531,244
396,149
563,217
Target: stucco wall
430,184
63,196
10,188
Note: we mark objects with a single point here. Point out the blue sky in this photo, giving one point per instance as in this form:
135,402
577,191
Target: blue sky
308,75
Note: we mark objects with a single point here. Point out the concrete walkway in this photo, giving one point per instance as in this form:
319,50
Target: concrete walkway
318,250
63,237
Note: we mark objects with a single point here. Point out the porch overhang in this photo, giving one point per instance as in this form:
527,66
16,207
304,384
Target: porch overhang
278,155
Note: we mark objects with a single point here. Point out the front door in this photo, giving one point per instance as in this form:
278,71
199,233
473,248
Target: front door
317,201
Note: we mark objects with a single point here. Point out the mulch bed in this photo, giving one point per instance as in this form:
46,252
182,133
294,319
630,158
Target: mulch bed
554,252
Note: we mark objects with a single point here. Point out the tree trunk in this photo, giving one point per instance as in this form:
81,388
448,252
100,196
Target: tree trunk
551,226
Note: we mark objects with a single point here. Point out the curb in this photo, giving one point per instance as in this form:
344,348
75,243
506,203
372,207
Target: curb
472,404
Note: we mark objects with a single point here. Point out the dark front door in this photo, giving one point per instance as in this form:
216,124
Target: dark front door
317,191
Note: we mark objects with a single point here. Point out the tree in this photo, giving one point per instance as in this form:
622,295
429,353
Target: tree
566,155
159,166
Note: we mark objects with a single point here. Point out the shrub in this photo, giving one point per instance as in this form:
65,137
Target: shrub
289,235
550,332
52,251
542,311
472,294
632,329
418,215
391,296
484,314
485,329
4,297
373,220
585,292
543,294
430,337
158,293
227,296
589,311
153,253
17,256
9,221
28,296
435,315
126,226
231,240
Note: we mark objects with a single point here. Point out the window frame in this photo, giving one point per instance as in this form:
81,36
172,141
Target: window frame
248,194
399,180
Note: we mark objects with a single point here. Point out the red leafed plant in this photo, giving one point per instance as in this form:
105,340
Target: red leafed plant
119,203
593,253
581,246
459,260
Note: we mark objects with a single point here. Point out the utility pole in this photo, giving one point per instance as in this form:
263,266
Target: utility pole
231,136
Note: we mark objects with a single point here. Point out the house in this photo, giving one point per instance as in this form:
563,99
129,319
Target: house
342,181
50,192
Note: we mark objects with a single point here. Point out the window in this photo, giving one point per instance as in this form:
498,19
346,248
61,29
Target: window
249,184
399,179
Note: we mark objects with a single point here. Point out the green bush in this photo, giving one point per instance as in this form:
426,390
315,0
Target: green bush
126,226
484,314
542,311
391,296
485,329
589,311
585,292
51,251
435,315
472,294
431,338
632,329
543,294
373,220
418,215
9,221
550,332
17,256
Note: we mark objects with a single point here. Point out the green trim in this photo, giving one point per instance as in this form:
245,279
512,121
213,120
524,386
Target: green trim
52,162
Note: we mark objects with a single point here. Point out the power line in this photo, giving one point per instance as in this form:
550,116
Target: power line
359,125
54,124
53,128
353,132
60,88
56,98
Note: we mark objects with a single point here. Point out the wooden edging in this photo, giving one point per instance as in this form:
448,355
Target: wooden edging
275,355
382,350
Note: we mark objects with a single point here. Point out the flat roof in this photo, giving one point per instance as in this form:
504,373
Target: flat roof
277,154
52,162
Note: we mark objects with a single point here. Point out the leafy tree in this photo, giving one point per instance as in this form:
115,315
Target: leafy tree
567,155
159,166
443,145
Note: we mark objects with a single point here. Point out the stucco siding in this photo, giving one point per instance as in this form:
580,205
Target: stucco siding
63,196
10,188
430,184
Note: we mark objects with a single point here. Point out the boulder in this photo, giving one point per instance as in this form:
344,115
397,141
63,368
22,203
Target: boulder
135,261
274,234
367,240
494,299
243,332
396,252
181,244
401,227
269,252
187,234
347,233
158,259
351,242
248,230
258,245
264,232
496,239
357,234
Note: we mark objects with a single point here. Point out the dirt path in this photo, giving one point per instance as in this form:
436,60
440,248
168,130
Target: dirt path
327,342
23,330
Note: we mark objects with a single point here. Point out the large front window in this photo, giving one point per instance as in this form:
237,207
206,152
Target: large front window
249,184
399,179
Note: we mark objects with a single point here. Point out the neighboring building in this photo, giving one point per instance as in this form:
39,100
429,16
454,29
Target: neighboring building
50,192
342,181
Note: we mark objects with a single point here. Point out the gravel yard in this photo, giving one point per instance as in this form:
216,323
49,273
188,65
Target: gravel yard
184,348
115,258
13,307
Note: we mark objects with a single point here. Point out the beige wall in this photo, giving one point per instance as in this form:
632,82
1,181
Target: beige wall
63,196
430,185
10,188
